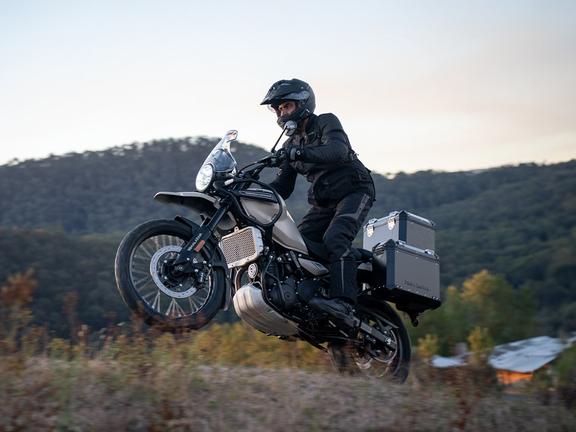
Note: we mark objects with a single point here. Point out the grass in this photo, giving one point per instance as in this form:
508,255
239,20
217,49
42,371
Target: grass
154,382
230,377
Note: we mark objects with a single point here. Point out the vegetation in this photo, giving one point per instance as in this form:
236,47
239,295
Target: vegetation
136,379
72,273
484,311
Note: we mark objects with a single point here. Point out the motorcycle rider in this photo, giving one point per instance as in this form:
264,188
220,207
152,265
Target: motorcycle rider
341,191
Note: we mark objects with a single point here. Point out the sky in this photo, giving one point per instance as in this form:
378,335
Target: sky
417,85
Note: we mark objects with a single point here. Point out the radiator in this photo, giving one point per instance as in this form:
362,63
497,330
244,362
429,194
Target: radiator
242,246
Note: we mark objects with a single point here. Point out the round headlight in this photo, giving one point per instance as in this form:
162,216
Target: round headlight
204,177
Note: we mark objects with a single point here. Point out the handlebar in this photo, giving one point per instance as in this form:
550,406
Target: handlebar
259,165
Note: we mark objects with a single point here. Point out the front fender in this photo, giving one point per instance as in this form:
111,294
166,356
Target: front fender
201,203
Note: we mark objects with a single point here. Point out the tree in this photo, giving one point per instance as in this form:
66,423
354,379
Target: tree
493,304
481,343
15,297
428,346
486,308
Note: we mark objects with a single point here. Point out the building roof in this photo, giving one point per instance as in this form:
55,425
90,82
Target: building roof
526,355
523,356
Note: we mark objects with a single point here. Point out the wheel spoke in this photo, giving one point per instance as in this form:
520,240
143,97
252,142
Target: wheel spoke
156,241
146,297
141,271
156,302
147,289
142,283
193,305
143,259
174,309
144,250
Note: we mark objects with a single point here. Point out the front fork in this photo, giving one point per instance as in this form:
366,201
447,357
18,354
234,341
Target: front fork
188,258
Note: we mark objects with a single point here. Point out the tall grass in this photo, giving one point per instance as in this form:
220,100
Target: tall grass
228,377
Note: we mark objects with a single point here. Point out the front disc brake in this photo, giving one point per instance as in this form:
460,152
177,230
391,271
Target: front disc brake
157,263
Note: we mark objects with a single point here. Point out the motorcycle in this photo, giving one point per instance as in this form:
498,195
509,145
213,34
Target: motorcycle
247,251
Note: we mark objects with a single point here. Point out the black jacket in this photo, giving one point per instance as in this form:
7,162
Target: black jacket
328,162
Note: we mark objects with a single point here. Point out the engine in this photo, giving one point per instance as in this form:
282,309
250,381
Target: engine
278,290
287,286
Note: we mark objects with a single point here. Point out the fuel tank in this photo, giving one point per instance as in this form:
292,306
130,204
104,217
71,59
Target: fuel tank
262,206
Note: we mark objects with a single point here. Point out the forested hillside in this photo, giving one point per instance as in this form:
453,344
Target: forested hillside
102,191
518,221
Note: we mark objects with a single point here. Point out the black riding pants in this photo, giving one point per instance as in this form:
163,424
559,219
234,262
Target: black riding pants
336,226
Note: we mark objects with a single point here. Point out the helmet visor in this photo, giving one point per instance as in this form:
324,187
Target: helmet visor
274,108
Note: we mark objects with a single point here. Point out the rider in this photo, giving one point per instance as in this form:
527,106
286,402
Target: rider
341,191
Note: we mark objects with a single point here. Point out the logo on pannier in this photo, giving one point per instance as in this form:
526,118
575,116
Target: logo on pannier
416,286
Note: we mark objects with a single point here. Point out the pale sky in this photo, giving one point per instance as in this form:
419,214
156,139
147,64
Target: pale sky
445,85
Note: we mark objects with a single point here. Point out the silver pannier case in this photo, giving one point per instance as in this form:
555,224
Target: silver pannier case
403,226
411,276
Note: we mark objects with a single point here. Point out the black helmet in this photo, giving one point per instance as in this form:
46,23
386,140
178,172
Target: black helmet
291,90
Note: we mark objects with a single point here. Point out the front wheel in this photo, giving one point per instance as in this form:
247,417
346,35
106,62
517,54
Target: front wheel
162,298
368,356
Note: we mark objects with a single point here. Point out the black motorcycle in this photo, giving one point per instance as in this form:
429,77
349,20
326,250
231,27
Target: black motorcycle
177,274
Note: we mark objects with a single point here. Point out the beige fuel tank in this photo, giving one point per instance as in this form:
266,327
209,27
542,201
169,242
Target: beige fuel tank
259,203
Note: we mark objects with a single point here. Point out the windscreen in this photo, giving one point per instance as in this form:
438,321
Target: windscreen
220,157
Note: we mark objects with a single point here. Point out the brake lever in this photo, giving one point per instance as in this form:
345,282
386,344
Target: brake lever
266,159
258,165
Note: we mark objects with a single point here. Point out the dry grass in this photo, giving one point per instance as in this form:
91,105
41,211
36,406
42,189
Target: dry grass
155,384
134,380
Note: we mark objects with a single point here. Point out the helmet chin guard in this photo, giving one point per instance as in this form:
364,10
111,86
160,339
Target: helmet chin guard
299,114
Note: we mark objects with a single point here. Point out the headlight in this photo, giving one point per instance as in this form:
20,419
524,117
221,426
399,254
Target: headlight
204,177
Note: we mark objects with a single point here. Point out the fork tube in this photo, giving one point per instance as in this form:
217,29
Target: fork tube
196,243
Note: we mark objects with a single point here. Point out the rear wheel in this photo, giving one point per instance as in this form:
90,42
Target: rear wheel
368,356
152,290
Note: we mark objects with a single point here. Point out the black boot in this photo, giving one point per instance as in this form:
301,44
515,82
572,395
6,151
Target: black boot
336,308
343,277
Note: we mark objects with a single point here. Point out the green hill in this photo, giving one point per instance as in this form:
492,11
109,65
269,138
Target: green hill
519,221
